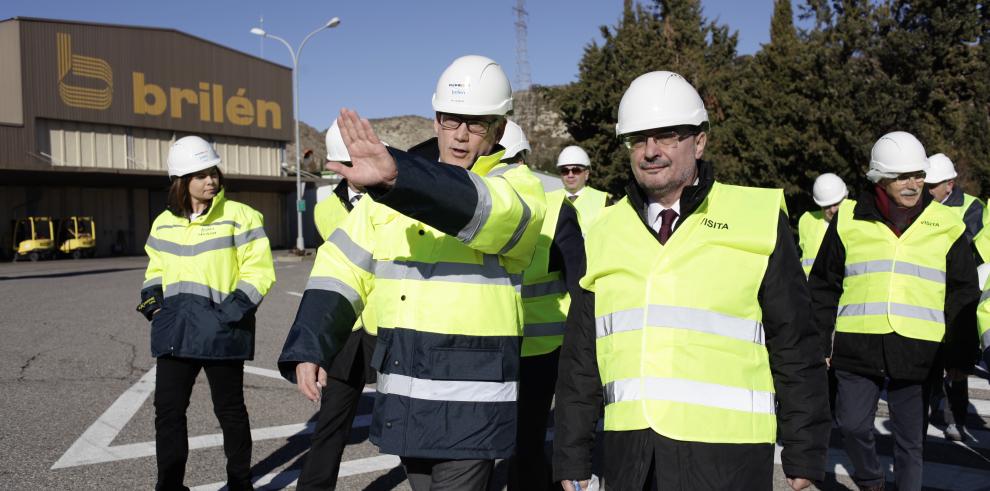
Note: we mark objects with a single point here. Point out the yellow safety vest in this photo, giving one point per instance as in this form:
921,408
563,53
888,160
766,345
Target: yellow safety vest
896,284
222,250
544,293
680,343
811,232
328,215
982,244
983,318
589,204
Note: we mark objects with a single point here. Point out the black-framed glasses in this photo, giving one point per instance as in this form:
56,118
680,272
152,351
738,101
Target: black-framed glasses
571,169
668,138
479,127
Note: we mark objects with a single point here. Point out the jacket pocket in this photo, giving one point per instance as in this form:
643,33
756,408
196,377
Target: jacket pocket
483,365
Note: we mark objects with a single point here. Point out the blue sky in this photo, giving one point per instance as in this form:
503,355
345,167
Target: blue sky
384,58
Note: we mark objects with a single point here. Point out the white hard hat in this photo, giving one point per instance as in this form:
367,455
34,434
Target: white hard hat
573,155
336,150
659,100
896,153
473,85
829,190
191,154
941,169
513,140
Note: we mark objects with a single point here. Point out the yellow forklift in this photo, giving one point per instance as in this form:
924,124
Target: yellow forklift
77,237
34,238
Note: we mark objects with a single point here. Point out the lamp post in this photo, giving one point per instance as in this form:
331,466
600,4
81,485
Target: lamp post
257,31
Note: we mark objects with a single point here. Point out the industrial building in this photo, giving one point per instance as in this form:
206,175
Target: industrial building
88,111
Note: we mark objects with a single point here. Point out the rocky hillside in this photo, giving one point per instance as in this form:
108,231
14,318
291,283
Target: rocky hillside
546,133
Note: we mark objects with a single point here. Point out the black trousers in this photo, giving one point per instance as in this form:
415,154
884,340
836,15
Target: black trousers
529,469
955,394
855,413
174,379
645,460
447,475
338,406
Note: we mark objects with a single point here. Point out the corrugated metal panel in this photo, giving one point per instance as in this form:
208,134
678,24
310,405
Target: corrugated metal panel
150,149
243,156
11,96
151,78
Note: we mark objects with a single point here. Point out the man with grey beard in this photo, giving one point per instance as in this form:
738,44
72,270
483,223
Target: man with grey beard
893,280
693,323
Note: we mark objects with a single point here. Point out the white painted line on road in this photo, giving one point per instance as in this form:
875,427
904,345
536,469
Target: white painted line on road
295,294
287,478
942,476
94,444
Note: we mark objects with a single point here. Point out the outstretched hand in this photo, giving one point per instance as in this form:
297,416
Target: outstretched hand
371,164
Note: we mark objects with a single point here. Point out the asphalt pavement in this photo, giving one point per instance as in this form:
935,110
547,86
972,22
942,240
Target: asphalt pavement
76,378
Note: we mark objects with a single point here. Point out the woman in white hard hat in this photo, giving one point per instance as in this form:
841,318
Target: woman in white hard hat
209,267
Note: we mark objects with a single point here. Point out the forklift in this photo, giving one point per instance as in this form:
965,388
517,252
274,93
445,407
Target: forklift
77,236
34,238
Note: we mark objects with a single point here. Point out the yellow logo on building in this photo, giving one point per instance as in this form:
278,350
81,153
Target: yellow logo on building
82,66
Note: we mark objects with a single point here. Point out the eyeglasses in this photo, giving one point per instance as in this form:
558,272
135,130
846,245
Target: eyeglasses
911,176
478,127
664,138
571,169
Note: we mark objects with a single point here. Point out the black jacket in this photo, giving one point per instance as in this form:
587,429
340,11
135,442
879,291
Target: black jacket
798,370
972,216
893,355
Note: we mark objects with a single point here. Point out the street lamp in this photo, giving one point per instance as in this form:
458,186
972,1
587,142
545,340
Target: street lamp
257,31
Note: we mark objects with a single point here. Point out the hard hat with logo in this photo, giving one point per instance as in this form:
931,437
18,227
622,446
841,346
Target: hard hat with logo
941,169
896,153
659,100
513,140
573,155
829,190
473,85
336,150
191,154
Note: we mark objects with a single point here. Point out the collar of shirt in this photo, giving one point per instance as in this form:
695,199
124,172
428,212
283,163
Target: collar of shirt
653,210
578,193
351,194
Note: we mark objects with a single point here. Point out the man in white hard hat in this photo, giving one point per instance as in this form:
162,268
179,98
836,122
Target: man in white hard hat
693,325
941,183
438,255
343,383
515,143
828,192
894,281
574,166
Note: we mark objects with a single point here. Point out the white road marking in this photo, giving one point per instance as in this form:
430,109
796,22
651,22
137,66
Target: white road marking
96,443
943,476
287,478
295,294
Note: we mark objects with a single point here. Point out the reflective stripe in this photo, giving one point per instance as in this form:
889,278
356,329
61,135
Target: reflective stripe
623,320
250,235
671,317
552,287
690,392
481,210
152,282
808,262
252,293
502,170
986,340
545,329
193,288
221,222
334,285
354,253
985,296
899,309
490,273
899,267
446,390
520,227
175,249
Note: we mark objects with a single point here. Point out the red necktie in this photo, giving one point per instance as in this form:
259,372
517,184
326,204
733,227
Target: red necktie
667,218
